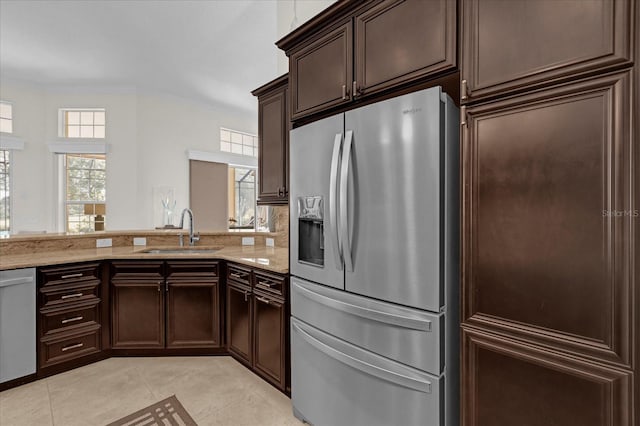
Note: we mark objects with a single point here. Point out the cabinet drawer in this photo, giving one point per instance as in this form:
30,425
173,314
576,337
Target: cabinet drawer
70,274
239,274
270,283
192,269
65,294
64,347
57,320
141,270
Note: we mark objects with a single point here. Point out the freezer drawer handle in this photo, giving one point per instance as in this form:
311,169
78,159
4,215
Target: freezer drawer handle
333,201
15,281
344,217
370,369
383,317
76,346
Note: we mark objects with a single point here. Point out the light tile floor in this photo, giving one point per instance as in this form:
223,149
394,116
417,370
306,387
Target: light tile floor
214,390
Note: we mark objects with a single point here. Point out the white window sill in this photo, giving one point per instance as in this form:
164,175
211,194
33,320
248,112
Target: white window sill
9,141
78,146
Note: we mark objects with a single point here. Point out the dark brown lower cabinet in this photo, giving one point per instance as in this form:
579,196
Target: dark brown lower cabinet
71,306
165,305
239,322
269,354
508,383
257,324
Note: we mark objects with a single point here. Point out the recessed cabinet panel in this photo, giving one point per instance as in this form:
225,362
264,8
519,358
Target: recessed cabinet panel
272,130
192,314
508,384
321,72
137,314
391,40
269,356
547,254
508,45
239,322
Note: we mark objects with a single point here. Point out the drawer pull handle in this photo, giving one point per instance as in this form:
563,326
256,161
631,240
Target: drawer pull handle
263,300
64,277
236,275
76,346
70,296
65,321
267,283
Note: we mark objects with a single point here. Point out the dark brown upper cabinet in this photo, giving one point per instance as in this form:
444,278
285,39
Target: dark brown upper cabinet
401,41
547,258
356,49
321,72
273,141
515,45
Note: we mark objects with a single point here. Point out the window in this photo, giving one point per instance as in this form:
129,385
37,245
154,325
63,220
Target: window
83,123
238,142
5,192
242,198
6,117
85,201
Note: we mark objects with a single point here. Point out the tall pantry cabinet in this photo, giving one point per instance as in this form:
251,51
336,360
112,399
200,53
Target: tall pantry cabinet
549,236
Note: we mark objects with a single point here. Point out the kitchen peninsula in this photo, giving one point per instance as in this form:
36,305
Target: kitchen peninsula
145,295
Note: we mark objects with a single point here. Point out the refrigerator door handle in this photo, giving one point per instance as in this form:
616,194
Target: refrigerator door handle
364,312
344,217
333,201
365,367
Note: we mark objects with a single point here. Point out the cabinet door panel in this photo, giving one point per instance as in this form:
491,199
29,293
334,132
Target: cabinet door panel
511,44
272,130
137,314
546,254
192,314
400,41
319,71
504,383
269,340
239,322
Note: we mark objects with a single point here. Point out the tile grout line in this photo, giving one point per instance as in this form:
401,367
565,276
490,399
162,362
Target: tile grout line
53,422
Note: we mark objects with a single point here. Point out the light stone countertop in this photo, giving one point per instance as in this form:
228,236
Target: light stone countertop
275,259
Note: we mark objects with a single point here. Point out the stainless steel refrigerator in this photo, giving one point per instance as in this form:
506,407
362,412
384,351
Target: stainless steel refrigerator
374,262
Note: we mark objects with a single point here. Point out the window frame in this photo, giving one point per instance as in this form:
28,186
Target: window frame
243,135
63,123
10,228
65,202
10,119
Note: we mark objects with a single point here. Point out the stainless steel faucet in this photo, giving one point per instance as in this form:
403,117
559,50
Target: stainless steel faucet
193,238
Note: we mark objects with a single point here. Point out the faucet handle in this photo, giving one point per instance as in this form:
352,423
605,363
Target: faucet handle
195,238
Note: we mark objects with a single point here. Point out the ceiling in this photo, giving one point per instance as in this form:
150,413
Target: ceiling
212,51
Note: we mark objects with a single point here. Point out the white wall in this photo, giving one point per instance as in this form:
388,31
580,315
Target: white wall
304,10
147,134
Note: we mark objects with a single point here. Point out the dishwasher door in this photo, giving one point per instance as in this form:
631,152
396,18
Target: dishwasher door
17,323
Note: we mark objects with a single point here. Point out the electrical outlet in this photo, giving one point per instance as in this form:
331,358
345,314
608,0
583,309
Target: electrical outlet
139,241
248,241
270,242
103,242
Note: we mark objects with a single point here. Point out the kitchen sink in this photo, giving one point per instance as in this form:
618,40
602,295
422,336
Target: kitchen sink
188,250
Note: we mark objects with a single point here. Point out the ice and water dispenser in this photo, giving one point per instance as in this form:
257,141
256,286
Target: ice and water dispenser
311,230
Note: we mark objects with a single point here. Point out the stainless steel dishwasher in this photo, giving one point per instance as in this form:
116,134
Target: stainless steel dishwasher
17,323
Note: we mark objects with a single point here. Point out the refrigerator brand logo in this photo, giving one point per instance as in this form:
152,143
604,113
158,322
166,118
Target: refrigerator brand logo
411,111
